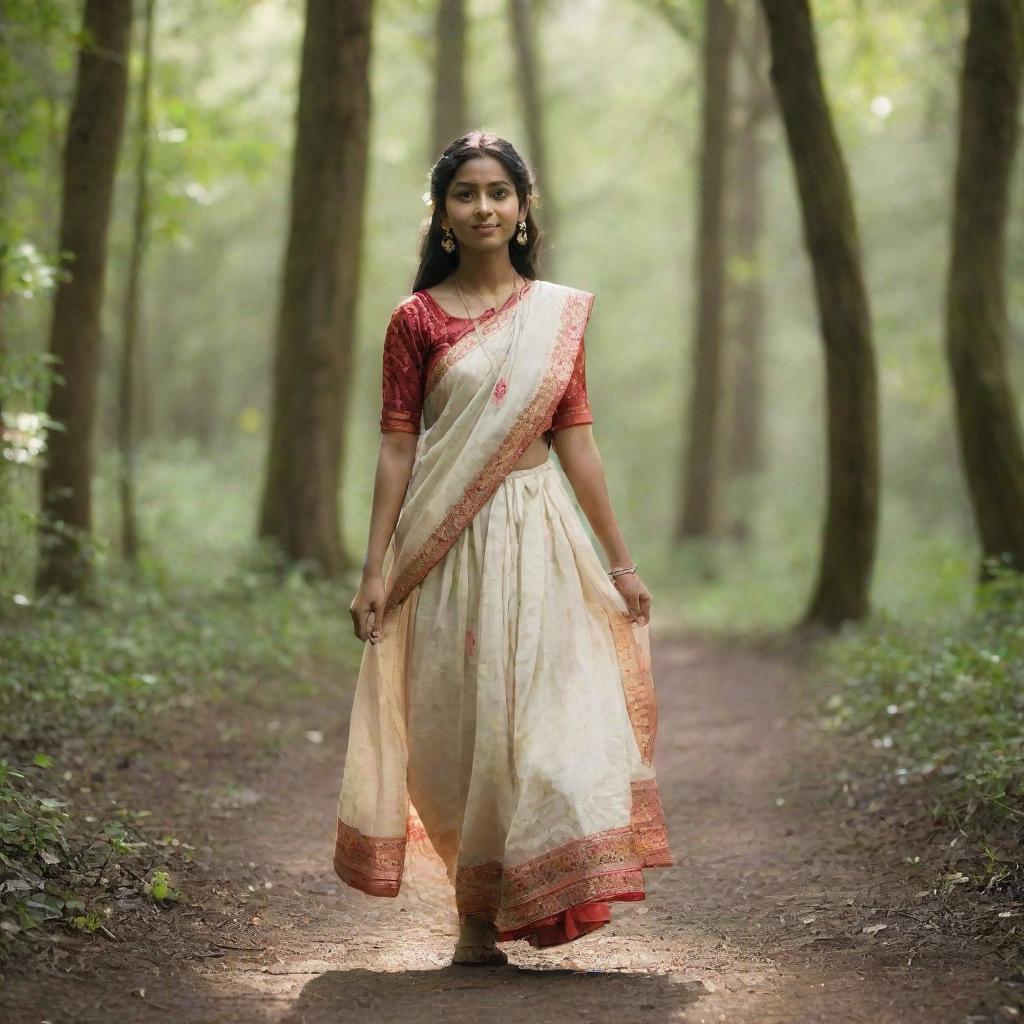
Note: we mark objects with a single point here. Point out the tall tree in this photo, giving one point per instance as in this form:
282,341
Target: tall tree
94,131
976,320
450,116
701,499
830,233
130,316
528,78
746,284
316,318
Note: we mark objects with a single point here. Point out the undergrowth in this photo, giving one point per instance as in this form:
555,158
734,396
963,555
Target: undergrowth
79,679
942,702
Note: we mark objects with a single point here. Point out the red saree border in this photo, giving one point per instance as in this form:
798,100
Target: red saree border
554,882
637,684
525,428
602,866
468,341
372,864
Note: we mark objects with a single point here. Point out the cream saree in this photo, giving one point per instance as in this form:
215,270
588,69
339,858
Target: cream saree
506,718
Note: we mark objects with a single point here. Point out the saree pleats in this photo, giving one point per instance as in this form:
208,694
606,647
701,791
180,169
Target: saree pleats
523,763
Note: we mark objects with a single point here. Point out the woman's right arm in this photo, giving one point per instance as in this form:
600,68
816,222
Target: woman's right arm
400,415
395,459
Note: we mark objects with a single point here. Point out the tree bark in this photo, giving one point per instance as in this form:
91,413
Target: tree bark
700,504
130,320
977,330
524,42
746,434
830,233
93,140
450,115
316,319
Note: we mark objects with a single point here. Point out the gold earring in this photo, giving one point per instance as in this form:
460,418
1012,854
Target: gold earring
448,241
521,237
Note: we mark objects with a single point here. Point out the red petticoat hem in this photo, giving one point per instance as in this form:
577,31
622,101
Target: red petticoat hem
569,924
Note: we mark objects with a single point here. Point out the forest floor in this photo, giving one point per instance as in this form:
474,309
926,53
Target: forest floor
798,895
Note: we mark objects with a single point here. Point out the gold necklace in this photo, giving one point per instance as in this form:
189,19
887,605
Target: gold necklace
516,323
515,281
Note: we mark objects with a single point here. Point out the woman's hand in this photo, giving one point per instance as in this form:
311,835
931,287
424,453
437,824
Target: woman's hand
636,595
369,600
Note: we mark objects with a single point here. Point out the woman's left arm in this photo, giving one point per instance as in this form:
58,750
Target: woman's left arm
584,469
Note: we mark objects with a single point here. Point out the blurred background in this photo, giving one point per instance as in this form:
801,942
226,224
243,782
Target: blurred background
619,86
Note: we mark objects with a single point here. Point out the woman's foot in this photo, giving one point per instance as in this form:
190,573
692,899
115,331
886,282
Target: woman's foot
476,945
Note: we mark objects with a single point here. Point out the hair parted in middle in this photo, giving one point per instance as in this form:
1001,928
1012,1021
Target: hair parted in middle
434,263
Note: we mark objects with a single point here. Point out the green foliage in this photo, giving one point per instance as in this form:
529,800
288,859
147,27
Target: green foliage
942,701
120,669
144,652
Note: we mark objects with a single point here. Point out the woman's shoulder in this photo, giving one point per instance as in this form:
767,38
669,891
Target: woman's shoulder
566,290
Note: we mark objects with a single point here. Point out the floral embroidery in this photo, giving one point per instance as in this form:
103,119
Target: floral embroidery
372,864
401,384
605,865
460,336
637,684
470,642
647,820
499,390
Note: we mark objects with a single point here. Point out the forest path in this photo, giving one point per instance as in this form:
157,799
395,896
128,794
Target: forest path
787,902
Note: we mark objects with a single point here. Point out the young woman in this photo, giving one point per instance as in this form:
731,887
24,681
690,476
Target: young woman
505,706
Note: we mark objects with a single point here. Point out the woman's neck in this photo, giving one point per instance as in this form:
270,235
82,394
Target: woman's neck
485,273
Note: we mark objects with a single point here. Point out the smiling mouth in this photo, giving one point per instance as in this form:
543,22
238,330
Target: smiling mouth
484,227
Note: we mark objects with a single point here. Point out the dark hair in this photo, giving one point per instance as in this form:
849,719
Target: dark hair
435,264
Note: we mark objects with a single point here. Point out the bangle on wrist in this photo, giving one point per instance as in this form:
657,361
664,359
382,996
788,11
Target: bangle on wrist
621,570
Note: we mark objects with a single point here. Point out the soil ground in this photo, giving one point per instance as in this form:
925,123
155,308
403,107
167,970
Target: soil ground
795,896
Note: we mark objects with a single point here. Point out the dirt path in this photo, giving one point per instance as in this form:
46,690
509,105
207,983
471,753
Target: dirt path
788,902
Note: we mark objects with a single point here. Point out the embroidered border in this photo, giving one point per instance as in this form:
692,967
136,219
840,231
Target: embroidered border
525,428
467,343
638,685
647,820
372,864
597,866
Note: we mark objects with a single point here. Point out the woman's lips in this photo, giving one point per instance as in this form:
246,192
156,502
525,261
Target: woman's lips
485,229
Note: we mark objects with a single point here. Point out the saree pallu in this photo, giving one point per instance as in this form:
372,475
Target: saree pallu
506,718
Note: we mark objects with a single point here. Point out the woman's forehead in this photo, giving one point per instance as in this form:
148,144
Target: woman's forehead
481,170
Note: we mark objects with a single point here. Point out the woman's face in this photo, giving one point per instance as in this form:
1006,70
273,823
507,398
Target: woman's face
481,205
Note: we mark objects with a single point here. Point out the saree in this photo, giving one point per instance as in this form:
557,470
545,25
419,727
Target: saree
505,720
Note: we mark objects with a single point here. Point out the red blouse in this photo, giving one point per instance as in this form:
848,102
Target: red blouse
419,333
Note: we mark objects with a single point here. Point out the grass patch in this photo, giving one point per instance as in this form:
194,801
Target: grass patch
943,702
81,681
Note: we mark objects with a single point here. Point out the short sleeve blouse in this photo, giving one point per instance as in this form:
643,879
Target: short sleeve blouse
419,332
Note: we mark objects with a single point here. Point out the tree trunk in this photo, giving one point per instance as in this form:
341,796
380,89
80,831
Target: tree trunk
93,139
130,343
976,320
700,503
524,42
316,319
830,233
746,435
450,117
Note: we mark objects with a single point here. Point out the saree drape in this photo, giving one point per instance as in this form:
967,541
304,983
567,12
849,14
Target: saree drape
507,716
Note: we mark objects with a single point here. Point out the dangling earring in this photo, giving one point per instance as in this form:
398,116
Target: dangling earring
448,242
521,237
